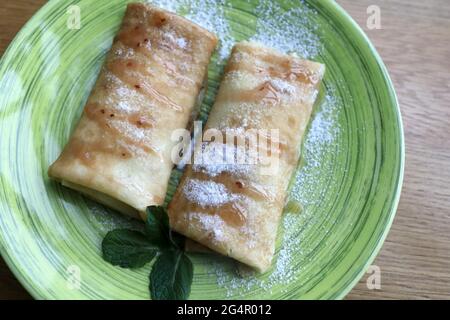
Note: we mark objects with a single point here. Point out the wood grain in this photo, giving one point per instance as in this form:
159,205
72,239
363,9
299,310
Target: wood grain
415,44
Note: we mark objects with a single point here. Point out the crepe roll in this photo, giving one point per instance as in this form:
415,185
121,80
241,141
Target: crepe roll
234,207
120,151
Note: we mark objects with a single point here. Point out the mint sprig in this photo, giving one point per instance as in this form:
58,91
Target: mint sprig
128,248
171,275
157,226
175,282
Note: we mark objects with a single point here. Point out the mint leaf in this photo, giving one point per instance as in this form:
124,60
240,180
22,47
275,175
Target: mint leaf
157,226
158,230
171,276
177,240
128,248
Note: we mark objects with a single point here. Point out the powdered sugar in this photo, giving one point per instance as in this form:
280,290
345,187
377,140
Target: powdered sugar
289,31
120,97
215,159
170,5
124,53
244,279
208,193
282,86
321,138
248,114
209,14
210,223
171,38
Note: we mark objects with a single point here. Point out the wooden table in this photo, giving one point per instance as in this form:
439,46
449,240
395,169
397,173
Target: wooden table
415,44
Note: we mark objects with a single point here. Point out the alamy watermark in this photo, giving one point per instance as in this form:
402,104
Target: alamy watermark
228,147
374,279
74,17
374,17
73,280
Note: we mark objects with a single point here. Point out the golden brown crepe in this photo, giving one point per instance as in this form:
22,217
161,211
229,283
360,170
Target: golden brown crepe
120,152
235,208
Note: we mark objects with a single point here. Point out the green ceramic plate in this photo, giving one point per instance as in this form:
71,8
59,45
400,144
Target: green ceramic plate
349,183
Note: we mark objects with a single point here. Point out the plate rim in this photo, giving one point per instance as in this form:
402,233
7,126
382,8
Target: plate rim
344,16
395,104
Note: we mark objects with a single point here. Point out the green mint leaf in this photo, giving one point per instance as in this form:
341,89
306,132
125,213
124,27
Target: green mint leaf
171,276
157,226
128,248
177,240
158,229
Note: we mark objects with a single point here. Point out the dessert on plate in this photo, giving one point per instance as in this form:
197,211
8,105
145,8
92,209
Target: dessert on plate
120,151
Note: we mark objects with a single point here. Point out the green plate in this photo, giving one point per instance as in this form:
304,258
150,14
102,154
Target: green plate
349,182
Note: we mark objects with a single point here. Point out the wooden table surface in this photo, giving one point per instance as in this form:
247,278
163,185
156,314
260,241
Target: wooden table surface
415,44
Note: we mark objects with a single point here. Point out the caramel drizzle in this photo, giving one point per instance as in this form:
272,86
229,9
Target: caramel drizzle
106,118
234,213
265,93
146,38
274,67
85,151
118,68
154,59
